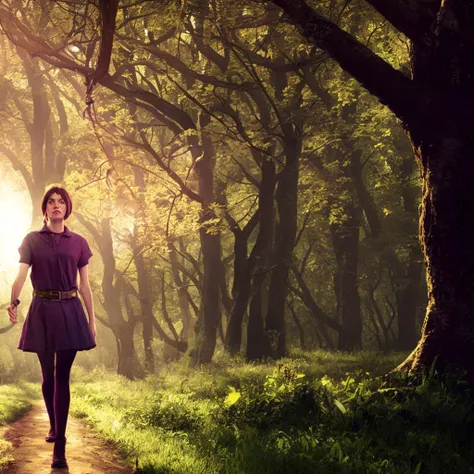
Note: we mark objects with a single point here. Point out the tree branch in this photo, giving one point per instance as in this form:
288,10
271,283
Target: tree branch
390,86
108,12
411,17
308,300
18,166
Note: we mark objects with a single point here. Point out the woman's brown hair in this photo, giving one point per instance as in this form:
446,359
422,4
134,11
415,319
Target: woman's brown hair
63,193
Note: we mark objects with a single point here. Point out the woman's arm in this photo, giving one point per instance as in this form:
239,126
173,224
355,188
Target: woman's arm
16,290
86,293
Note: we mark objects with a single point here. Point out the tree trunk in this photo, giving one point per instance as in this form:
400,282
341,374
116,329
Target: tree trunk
206,327
298,325
239,307
209,314
37,132
182,295
443,143
144,284
446,228
126,351
144,296
260,254
287,204
345,239
244,267
112,292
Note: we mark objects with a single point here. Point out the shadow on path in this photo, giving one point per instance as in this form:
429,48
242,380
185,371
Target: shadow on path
85,452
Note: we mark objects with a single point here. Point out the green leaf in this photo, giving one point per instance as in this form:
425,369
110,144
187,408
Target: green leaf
341,407
232,399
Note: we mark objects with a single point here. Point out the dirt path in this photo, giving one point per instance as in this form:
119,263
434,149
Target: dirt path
86,453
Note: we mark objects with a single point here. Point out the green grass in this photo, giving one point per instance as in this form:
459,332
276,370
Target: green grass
15,401
314,412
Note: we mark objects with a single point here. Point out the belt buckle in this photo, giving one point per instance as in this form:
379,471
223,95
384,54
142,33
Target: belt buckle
58,298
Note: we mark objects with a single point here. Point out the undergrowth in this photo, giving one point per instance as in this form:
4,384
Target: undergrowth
314,412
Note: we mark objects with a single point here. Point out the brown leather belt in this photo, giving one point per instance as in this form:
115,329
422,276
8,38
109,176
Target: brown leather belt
56,295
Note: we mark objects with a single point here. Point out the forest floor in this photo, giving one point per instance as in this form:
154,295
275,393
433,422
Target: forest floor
86,453
313,412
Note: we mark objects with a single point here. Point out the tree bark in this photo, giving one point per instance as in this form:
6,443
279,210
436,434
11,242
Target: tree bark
444,146
243,265
287,205
37,131
446,228
209,314
182,294
146,307
260,255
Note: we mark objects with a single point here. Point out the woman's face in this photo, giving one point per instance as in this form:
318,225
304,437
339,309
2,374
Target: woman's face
55,207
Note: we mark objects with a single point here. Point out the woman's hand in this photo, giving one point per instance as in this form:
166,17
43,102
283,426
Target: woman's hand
12,313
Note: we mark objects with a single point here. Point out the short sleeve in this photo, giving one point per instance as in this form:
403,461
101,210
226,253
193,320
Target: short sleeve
86,254
25,251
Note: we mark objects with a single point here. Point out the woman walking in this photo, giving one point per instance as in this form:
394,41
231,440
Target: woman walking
55,326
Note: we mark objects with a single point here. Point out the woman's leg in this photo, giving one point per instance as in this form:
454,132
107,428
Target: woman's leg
64,360
47,369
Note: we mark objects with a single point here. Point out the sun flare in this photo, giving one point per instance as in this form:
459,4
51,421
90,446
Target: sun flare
15,215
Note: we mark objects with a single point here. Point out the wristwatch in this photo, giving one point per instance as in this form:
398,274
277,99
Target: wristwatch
16,302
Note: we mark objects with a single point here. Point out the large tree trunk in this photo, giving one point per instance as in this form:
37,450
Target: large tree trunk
443,143
446,228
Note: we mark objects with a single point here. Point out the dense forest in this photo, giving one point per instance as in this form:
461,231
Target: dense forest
238,187
254,178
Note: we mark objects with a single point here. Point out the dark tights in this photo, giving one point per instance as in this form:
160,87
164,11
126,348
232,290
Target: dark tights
56,387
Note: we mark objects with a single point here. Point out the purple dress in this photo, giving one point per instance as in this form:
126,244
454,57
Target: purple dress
55,325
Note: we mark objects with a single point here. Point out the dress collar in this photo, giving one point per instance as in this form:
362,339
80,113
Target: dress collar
66,233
